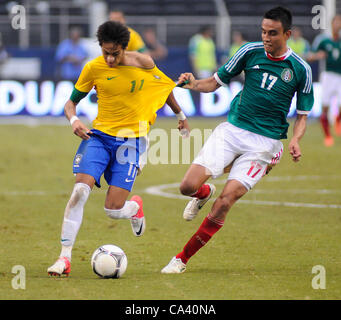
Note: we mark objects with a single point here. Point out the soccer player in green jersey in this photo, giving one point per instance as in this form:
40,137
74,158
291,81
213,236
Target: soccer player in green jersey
329,49
247,145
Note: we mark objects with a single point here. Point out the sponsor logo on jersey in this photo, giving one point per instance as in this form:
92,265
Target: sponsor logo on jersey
255,67
287,75
156,77
110,78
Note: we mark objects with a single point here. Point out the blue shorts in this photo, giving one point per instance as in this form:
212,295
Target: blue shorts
115,157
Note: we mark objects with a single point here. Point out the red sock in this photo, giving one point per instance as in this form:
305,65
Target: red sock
325,124
205,232
202,192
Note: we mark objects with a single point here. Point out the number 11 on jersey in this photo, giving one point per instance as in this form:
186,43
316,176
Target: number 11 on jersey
133,85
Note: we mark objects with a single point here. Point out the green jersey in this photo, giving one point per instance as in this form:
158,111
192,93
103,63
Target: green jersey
270,84
333,50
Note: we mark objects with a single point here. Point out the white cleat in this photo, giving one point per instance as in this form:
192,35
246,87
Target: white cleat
174,266
61,266
138,226
193,207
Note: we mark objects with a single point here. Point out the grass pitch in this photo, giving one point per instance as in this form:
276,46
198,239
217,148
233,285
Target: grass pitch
267,248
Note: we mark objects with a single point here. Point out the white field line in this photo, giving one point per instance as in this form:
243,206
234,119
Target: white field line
162,191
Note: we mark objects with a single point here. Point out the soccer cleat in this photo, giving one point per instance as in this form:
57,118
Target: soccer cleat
328,141
174,266
337,126
138,221
196,204
61,266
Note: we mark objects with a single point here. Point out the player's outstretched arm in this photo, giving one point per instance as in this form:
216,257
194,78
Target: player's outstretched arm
299,130
78,127
203,85
183,125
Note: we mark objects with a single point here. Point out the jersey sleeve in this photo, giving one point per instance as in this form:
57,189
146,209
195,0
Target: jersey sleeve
77,96
305,93
234,66
85,81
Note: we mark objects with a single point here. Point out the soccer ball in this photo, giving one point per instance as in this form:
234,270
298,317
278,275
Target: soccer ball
109,261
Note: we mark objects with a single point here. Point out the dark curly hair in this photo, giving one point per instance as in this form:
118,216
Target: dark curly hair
113,31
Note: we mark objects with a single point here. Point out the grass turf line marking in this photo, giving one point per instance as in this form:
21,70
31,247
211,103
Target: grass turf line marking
161,190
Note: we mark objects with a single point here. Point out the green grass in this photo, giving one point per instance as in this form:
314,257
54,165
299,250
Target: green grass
262,252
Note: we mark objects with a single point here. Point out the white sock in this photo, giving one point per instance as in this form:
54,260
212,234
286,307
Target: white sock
73,217
129,209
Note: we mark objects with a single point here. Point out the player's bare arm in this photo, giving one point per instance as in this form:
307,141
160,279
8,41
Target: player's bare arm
203,85
299,130
137,59
78,127
182,121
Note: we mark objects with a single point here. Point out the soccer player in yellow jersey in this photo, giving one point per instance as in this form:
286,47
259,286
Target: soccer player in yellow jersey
130,89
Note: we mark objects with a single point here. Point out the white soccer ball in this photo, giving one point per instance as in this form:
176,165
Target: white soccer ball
109,261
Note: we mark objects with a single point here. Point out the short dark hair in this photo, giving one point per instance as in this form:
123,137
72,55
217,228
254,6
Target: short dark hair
280,14
113,31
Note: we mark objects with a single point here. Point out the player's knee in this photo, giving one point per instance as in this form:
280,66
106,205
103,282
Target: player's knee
187,188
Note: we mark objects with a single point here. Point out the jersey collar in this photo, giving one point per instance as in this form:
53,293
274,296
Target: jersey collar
283,57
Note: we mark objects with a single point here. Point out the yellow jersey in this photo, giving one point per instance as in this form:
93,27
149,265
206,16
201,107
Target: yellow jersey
135,42
128,97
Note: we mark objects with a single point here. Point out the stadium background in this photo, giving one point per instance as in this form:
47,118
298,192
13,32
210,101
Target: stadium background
34,89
